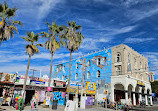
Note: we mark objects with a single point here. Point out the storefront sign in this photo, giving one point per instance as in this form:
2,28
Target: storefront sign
49,88
90,92
140,83
35,82
91,88
7,78
59,83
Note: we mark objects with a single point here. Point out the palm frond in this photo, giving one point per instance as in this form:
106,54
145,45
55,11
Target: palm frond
44,34
17,22
13,28
5,6
40,45
1,8
11,12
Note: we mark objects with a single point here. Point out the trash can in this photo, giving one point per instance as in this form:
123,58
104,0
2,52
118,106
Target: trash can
55,103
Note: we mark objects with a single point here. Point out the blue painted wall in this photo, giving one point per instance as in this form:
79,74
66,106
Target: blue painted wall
105,67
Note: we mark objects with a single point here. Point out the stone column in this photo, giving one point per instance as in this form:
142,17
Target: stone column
126,96
146,100
134,99
151,102
112,93
140,95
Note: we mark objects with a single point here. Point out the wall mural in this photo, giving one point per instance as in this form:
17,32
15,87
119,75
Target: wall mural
104,67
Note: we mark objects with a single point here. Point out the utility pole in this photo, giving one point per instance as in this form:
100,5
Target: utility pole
33,72
83,73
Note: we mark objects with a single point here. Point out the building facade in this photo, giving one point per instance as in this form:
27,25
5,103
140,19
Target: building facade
119,73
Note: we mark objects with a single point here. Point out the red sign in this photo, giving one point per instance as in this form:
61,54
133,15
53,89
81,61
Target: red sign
49,88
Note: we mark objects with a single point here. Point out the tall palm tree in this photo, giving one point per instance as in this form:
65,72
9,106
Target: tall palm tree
7,22
72,39
31,49
52,44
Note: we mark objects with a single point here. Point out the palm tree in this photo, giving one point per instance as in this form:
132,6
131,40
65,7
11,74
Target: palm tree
52,43
72,39
31,49
7,22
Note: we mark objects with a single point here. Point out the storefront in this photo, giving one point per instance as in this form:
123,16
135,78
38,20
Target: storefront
131,90
7,86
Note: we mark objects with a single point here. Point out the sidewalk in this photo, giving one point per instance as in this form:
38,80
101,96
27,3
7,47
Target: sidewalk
60,108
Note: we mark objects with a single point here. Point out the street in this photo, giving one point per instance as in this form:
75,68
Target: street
61,108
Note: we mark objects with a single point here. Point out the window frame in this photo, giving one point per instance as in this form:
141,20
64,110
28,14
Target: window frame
76,76
88,75
98,73
118,72
118,57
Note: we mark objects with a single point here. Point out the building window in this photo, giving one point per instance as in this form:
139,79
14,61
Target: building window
88,75
76,76
128,57
129,67
89,63
57,69
63,68
135,62
118,70
98,73
98,61
145,66
118,57
63,77
140,65
77,66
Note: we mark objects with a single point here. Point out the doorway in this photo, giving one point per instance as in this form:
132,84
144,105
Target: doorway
1,92
29,95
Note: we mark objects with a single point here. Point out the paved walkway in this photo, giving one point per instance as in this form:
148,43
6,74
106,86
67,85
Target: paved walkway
61,108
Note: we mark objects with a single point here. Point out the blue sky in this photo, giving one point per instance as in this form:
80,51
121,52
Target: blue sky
105,23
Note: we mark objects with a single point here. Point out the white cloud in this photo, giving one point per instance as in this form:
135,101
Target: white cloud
153,61
138,40
91,43
7,57
35,9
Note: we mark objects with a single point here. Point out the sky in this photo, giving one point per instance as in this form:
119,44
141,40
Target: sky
105,23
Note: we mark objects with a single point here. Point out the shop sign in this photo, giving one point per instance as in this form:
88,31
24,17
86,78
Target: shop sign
59,83
7,78
76,90
49,88
35,82
91,92
90,86
140,83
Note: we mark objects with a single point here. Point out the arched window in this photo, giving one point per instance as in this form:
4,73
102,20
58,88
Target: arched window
63,77
98,73
77,66
135,62
76,76
88,75
128,57
89,63
57,69
63,68
118,70
145,66
129,67
118,57
140,65
98,61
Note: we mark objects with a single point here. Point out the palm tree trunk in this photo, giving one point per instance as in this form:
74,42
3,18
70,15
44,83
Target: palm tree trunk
24,86
50,74
69,76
